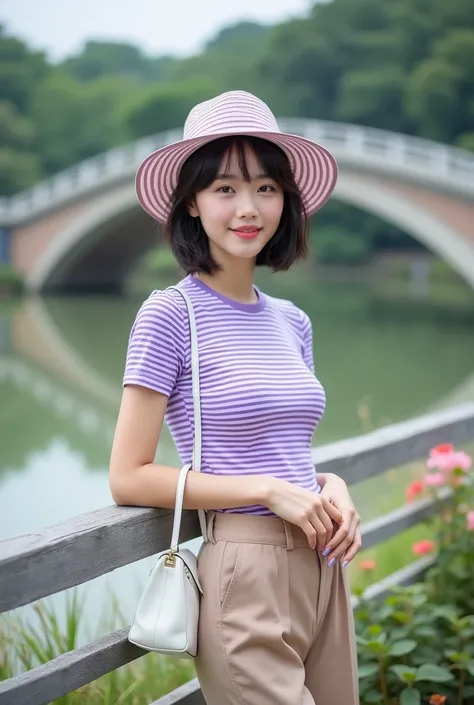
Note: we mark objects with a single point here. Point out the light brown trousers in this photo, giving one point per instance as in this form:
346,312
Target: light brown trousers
276,624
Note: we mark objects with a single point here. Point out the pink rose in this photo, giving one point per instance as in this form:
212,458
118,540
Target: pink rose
442,448
447,462
435,479
414,489
470,520
421,548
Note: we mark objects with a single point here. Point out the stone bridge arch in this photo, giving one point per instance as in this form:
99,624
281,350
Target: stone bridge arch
82,230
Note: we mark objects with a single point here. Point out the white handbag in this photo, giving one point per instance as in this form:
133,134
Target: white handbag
167,615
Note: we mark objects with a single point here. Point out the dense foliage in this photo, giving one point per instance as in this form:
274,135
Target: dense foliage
406,66
418,644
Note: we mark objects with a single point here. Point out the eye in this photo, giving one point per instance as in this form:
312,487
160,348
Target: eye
267,188
224,189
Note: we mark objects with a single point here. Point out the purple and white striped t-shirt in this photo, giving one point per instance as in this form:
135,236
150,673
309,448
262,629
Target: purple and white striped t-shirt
260,399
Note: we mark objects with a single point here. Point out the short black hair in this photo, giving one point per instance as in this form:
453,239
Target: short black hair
187,237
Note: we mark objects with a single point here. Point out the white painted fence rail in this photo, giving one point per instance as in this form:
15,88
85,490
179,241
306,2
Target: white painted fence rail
82,548
409,158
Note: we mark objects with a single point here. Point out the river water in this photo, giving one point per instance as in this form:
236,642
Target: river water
381,356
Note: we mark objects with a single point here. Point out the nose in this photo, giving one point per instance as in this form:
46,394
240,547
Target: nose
246,206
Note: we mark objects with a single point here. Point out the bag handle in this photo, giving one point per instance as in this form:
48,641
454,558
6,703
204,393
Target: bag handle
197,443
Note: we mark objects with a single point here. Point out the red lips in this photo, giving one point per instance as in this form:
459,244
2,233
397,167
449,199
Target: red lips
246,231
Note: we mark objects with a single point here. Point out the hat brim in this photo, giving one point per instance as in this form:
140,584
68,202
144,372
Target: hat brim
314,168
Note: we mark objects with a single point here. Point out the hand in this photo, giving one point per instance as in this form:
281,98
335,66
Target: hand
312,512
347,539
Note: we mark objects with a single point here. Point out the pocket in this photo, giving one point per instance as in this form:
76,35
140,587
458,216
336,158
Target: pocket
229,571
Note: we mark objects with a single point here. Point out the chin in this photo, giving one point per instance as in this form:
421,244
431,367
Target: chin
248,251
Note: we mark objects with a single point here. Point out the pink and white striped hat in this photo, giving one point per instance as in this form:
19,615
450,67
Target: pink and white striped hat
234,113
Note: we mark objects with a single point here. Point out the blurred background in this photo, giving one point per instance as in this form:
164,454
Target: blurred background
392,308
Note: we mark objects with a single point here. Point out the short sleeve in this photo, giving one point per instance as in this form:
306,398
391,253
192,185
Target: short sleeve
307,336
156,347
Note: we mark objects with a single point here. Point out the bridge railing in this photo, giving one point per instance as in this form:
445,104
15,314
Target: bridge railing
445,167
69,554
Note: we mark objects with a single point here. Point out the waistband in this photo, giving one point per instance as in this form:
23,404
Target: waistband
246,528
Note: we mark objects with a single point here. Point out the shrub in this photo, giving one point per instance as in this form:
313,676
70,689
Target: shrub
417,645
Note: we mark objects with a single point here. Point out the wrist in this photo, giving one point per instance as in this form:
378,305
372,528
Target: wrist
329,479
261,488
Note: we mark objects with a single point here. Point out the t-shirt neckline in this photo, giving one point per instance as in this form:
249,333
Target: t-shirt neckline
238,305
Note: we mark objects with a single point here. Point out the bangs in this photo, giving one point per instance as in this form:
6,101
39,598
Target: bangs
203,166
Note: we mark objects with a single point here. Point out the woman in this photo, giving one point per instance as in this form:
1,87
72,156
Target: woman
276,623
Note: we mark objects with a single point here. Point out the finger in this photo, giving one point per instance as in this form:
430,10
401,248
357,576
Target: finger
310,532
349,515
354,547
322,534
343,538
332,510
326,521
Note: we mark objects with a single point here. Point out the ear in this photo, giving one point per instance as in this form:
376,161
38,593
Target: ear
192,210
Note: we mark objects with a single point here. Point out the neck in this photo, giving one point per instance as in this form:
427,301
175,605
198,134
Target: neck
234,281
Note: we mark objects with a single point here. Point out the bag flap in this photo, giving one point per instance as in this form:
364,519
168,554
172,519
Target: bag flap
190,564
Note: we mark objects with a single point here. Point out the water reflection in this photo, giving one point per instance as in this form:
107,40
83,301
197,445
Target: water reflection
62,361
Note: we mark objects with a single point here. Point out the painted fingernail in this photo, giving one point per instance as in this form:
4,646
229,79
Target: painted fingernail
331,562
326,551
345,563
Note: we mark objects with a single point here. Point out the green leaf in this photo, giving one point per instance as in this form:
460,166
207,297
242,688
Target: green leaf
404,673
470,667
446,612
361,640
385,612
419,600
375,629
401,648
368,669
377,648
373,696
458,656
392,601
457,567
427,631
436,674
410,696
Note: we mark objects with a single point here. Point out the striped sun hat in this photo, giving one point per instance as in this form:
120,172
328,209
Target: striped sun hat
234,113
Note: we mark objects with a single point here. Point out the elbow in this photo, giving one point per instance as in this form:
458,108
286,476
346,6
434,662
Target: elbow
119,492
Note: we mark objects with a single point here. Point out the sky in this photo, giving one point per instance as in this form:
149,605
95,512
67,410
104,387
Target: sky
180,27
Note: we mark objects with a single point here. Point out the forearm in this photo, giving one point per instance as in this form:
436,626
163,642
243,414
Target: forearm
154,485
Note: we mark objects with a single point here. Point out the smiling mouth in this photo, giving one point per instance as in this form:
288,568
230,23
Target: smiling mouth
246,232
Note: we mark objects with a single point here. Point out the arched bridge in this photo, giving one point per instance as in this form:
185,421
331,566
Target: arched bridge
82,230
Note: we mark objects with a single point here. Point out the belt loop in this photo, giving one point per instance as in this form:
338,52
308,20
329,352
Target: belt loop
289,536
211,516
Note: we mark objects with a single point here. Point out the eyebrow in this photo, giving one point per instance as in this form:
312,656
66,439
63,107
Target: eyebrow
233,176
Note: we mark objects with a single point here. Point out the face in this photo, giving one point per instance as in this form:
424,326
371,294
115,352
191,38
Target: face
239,217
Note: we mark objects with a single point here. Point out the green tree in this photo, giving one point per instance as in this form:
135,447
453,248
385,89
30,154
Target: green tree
165,107
19,165
440,91
20,70
227,61
99,59
76,121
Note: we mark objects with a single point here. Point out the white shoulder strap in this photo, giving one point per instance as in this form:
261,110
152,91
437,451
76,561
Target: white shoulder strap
197,444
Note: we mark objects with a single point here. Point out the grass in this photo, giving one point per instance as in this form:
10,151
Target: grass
24,646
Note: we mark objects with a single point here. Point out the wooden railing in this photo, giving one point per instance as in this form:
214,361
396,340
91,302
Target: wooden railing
80,549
